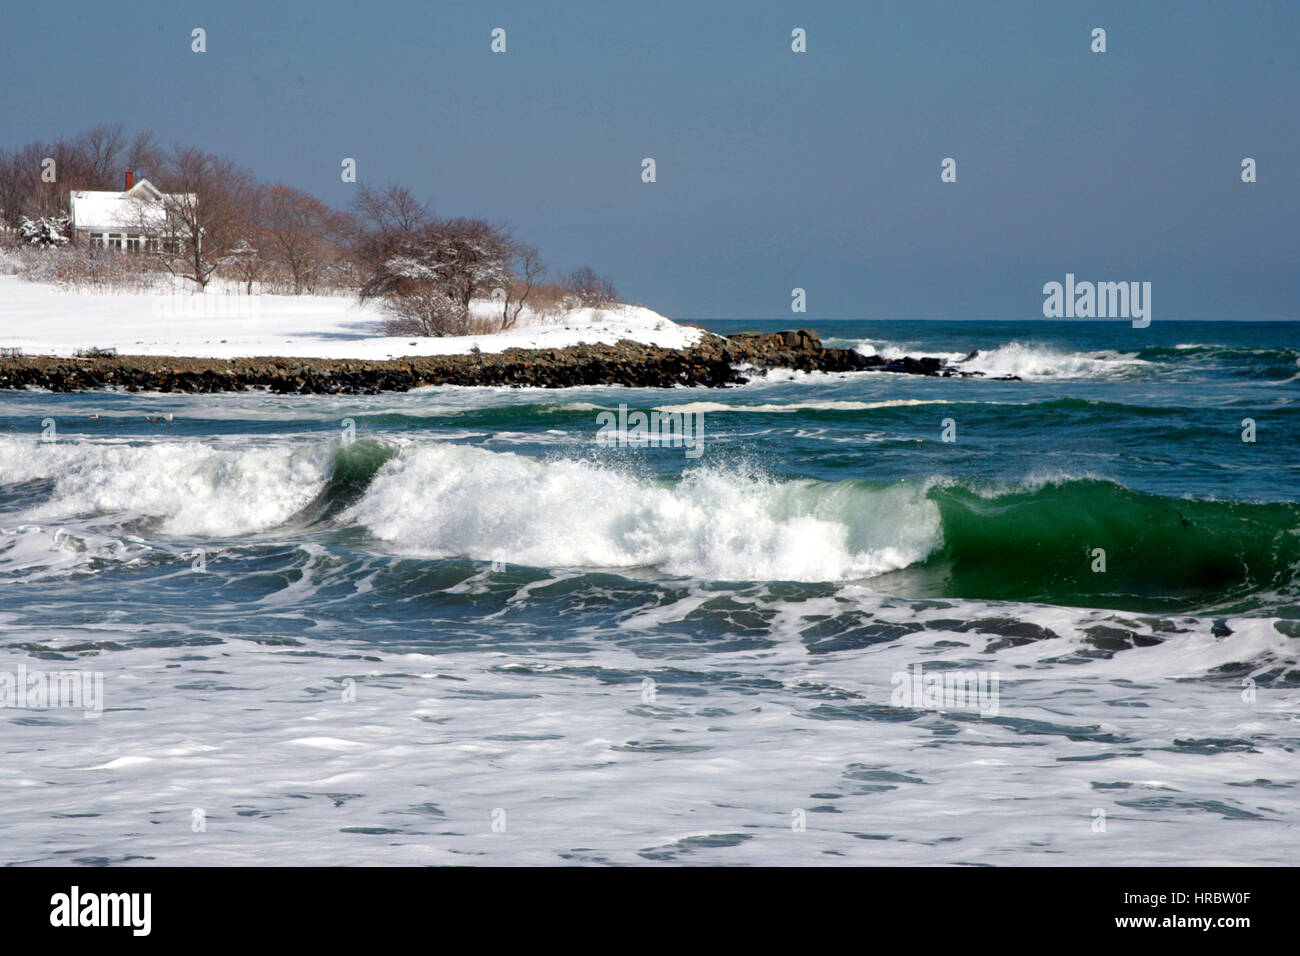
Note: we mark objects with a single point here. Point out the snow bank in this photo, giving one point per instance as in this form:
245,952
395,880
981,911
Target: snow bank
44,320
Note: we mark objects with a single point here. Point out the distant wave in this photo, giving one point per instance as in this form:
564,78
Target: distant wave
1189,349
823,406
1020,359
1274,362
831,407
1043,363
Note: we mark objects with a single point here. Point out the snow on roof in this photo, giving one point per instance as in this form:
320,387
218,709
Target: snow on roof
110,211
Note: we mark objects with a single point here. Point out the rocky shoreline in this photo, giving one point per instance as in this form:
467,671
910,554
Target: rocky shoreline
715,362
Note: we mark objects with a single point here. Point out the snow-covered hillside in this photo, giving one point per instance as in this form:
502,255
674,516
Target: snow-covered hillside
44,320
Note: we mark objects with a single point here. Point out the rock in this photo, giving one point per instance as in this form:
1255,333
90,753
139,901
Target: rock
714,362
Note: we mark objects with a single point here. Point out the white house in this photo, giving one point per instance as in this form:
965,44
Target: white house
133,220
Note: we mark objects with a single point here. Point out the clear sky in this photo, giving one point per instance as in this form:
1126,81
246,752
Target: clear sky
775,170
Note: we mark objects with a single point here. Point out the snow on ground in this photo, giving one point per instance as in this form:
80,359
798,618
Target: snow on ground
45,320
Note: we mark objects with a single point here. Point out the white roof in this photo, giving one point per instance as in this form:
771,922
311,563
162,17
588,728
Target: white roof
101,211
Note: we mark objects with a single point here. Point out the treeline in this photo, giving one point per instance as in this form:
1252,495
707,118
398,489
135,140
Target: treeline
223,223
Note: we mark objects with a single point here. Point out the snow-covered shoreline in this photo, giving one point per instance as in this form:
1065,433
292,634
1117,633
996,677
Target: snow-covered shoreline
41,319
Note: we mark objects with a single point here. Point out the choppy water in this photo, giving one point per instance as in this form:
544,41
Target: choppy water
373,650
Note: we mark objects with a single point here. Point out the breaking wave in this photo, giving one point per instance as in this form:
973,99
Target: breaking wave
1033,541
1021,359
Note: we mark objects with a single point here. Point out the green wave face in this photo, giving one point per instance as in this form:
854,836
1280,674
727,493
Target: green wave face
355,466
1161,554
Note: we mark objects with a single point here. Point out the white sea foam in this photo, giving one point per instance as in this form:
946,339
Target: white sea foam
825,406
1017,358
450,500
408,769
31,552
193,487
1036,362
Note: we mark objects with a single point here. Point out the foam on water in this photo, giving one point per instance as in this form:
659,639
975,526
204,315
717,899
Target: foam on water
412,767
825,406
34,552
449,501
193,487
1022,359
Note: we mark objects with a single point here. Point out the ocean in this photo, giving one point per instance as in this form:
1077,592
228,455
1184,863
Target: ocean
878,618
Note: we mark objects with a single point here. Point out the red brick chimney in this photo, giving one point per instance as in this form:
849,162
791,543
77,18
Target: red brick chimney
130,179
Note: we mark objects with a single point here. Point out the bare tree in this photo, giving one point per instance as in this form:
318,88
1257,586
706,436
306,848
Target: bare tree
528,271
247,260
26,190
392,210
42,198
301,234
381,218
380,221
589,289
13,189
98,154
144,156
208,213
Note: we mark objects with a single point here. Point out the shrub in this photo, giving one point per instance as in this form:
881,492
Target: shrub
589,289
89,269
424,310
45,231
551,300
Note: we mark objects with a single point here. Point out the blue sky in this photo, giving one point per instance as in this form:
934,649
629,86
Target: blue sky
775,169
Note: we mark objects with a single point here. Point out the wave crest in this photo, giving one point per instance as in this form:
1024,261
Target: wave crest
193,488
458,501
